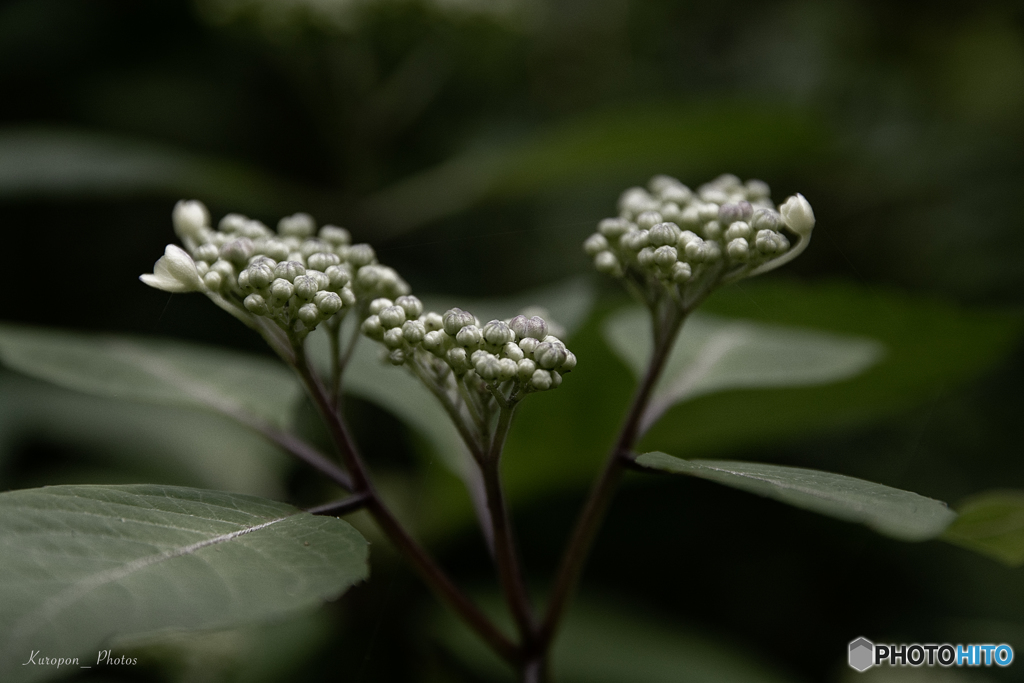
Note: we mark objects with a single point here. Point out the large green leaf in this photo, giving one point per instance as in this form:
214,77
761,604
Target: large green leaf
83,564
900,514
992,524
601,642
54,161
156,371
715,354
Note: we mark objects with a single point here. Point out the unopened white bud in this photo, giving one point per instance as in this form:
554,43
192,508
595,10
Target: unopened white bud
525,369
548,355
281,290
378,305
232,222
738,249
392,316
664,257
322,261
256,304
595,244
635,201
310,315
798,215
190,219
646,257
289,270
507,369
569,363
735,211
348,297
455,319
175,271
767,242
681,272
648,219
556,379
512,351
276,249
338,276
328,303
413,331
433,321
238,251
335,236
412,306
498,333
634,240
397,356
306,287
213,280
613,228
470,335
663,234
738,229
528,344
488,366
458,360
393,338
372,328
207,252
766,219
606,262
690,217
712,230
434,342
361,255
260,275
541,380
297,225
757,189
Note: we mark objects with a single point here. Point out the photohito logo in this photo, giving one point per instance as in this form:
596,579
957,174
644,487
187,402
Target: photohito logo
863,654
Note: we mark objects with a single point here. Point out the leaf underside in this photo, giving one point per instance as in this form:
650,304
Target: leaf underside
992,524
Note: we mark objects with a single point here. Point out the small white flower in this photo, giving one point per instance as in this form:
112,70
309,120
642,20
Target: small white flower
798,215
190,219
174,272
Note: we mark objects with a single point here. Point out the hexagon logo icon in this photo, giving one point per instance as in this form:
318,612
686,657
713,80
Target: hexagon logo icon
862,654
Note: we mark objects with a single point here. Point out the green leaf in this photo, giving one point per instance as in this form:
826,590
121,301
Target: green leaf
900,514
992,524
155,371
716,354
82,564
600,642
54,161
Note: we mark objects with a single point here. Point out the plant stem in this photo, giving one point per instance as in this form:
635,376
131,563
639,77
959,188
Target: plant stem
505,555
339,508
429,571
619,459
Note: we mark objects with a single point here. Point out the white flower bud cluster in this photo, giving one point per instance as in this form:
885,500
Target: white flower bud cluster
517,355
675,236
298,276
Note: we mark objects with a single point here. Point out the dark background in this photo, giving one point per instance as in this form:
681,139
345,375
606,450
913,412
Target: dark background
476,144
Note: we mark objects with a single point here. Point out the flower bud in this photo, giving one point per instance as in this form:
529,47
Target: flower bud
361,255
414,331
372,328
306,287
275,249
507,369
190,219
207,252
238,251
458,360
634,240
226,270
766,219
338,276
738,229
595,244
512,351
434,342
525,369
328,303
612,228
309,314
662,234
289,270
646,257
260,275
412,306
712,230
556,379
708,212
281,290
541,380
297,225
664,257
681,272
690,217
528,344
256,304
397,356
757,189
378,305
213,280
348,297
498,333
735,211
232,222
470,335
738,249
455,319
488,366
175,271
569,363
606,262
321,261
768,242
335,236
635,201
548,355
392,316
797,215
394,338
433,321
648,219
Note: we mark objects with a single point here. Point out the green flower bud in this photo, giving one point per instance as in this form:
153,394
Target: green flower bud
335,236
412,306
207,252
595,244
635,201
648,219
361,255
321,261
458,360
634,240
433,321
225,269
175,271
280,291
397,356
190,219
525,369
507,369
213,280
646,257
690,217
528,344
394,338
738,249
569,363
548,355
238,251
434,342
676,193
297,225
798,215
289,270
488,366
338,276
470,335
328,303
232,222
414,331
512,351
315,246
372,328
455,319
766,219
738,229
606,262
612,228
664,257
256,304
556,379
306,287
260,275
378,305
681,272
541,380
309,314
757,189
707,212
498,333
254,230
275,249
768,242
348,297
392,316
663,234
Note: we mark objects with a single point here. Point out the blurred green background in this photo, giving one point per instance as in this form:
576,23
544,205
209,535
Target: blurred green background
476,143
